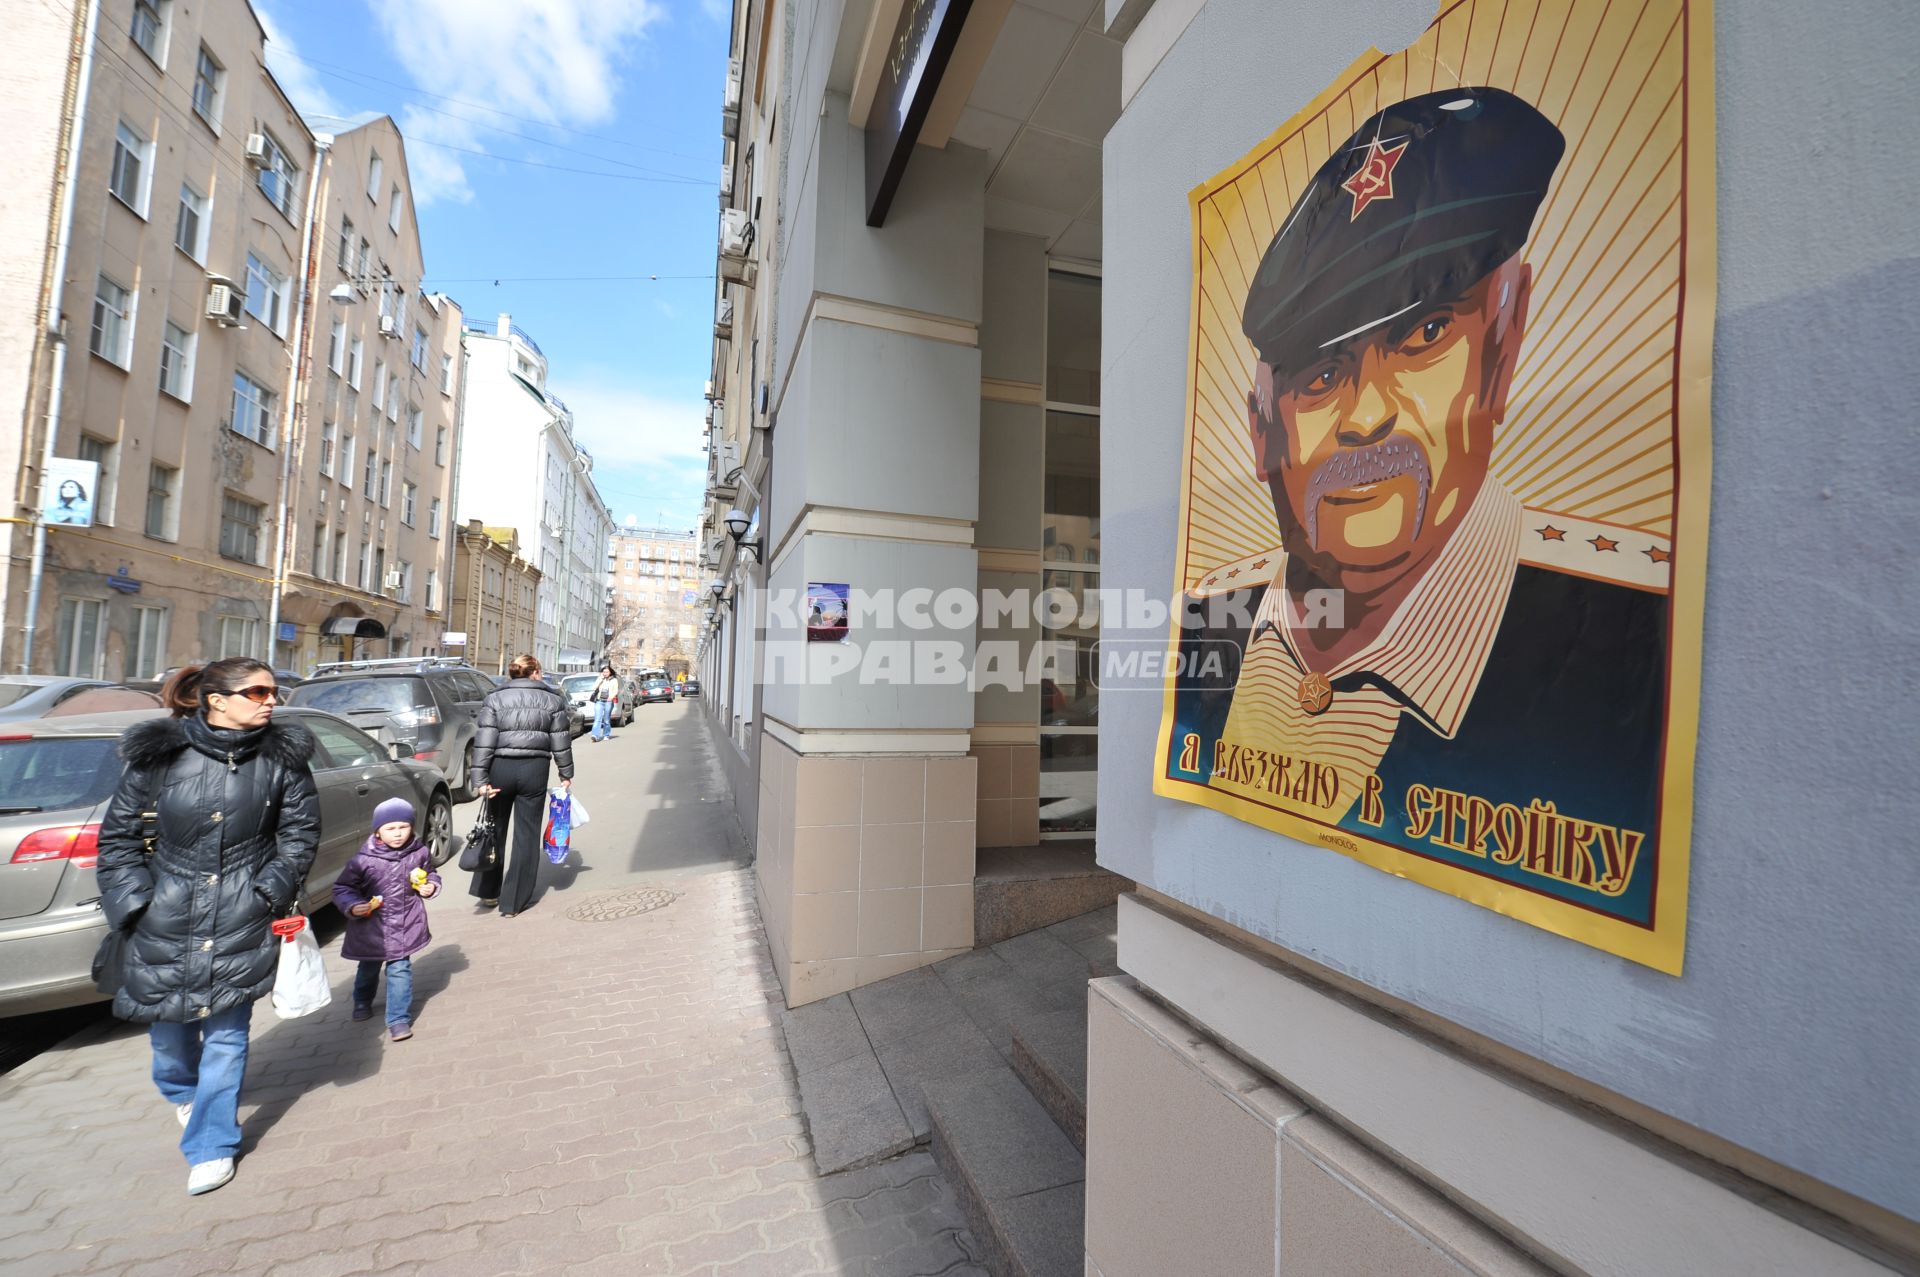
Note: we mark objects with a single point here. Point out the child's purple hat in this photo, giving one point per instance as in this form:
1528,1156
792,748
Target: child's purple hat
391,811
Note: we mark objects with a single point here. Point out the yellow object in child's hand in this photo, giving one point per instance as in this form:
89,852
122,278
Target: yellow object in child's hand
418,880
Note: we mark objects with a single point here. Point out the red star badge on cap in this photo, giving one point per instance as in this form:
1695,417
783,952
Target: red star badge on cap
1373,180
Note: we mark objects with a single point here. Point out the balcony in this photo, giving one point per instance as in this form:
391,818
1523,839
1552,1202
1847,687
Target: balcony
723,319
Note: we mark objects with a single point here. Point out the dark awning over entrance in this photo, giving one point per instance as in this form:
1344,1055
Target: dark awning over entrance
353,627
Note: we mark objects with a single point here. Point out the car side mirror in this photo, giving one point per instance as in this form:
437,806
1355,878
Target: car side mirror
400,749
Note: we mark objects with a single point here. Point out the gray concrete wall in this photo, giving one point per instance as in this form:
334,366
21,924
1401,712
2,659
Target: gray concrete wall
1792,1032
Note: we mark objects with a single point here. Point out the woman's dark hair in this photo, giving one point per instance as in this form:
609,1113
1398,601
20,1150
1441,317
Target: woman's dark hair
608,669
188,687
75,485
525,665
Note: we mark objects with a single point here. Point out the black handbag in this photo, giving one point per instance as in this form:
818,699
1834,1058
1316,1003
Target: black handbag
482,851
109,970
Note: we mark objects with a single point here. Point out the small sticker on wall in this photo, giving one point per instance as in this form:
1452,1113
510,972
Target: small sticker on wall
826,612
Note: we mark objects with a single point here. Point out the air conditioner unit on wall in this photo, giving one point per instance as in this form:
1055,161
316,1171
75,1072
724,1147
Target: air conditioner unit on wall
393,579
257,149
388,328
225,303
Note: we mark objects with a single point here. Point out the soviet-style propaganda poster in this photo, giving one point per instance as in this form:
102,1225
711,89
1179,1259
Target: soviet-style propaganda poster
1444,510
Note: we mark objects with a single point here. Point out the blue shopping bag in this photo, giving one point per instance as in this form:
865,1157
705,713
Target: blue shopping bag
559,835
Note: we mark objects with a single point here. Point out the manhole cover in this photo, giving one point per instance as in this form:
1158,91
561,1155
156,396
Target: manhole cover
621,904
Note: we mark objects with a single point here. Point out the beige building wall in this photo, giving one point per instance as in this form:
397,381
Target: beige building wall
494,592
378,441
650,572
173,466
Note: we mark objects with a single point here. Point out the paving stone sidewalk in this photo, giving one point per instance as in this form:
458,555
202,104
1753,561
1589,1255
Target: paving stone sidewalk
580,1097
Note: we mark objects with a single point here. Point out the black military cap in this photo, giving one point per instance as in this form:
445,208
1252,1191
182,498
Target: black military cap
1418,205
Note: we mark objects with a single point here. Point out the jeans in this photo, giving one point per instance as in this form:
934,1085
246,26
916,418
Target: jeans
602,720
366,982
203,1062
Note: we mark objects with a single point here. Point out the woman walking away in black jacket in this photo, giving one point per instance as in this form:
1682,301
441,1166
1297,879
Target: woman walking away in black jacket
207,840
523,727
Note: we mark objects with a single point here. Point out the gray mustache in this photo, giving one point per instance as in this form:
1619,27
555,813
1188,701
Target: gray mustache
1374,463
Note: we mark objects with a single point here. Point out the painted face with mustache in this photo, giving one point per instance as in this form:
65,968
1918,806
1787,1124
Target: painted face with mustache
1375,451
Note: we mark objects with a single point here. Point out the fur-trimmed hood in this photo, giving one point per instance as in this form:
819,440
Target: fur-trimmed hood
154,741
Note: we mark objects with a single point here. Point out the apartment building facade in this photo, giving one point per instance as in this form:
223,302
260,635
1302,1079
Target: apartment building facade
655,599
514,429
495,597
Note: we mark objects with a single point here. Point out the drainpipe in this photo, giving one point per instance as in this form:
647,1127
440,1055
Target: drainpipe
57,330
296,402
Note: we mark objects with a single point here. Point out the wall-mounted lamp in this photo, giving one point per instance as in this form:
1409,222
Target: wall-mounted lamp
738,522
716,588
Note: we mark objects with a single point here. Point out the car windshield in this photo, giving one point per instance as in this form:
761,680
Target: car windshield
50,773
377,695
579,682
11,692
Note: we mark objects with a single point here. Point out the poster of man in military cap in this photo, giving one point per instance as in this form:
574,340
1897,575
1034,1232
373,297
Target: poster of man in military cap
1444,510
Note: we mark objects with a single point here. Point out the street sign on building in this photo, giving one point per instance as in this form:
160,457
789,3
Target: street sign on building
454,638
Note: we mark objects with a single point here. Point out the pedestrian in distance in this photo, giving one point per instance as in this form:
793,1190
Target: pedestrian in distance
206,841
524,731
606,693
383,894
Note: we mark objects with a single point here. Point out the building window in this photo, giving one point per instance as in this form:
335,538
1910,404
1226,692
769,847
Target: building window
190,227
393,411
340,557
386,484
149,654
356,356
419,354
374,171
366,264
446,374
439,445
379,385
345,470
433,590
268,294
414,426
319,562
405,573
149,28
209,77
239,636
81,632
337,347
366,559
101,453
254,408
176,361
279,179
112,337
393,211
380,568
162,483
343,254
433,517
327,436
409,496
240,522
370,471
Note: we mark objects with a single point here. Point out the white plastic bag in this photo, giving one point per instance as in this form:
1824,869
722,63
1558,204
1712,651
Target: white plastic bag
300,983
579,812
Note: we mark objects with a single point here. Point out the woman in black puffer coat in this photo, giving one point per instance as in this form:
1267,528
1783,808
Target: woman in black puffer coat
523,728
238,824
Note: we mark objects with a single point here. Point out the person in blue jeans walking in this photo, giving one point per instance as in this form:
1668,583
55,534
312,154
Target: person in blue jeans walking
606,696
205,842
383,894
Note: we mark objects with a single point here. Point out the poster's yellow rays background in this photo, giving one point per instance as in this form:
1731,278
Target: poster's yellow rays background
1590,426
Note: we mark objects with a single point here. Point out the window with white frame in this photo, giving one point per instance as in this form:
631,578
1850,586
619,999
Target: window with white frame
379,568
190,224
356,356
340,557
415,426
393,211
254,408
318,563
269,294
393,411
176,361
209,85
366,564
112,337
132,163
337,347
240,525
370,471
345,470
343,252
365,271
433,517
419,348
379,385
386,485
81,637
433,590
446,374
279,177
147,653
163,485
374,171
439,445
149,27
405,569
102,452
328,436
239,636
409,498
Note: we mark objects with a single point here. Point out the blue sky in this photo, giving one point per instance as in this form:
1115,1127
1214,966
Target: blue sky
630,88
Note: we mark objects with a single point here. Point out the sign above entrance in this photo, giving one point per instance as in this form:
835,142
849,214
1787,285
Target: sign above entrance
454,638
917,57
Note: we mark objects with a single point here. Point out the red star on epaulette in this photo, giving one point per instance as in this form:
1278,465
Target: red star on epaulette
1260,563
1658,555
1232,572
1373,180
1213,580
1551,533
1600,543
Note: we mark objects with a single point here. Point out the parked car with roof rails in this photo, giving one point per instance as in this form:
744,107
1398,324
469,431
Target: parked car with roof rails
56,776
433,702
24,696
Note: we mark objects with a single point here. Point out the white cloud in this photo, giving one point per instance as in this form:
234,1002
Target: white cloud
550,61
436,174
718,10
649,449
301,82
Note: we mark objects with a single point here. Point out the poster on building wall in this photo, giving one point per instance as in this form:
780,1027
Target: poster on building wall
826,612
68,491
1444,511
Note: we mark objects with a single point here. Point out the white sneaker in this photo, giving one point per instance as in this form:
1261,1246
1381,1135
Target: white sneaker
204,1177
183,1112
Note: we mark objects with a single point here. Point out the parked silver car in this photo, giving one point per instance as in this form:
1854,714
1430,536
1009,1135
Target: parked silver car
56,775
25,696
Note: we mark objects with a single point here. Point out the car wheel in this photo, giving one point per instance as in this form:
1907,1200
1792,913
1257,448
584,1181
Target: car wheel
439,837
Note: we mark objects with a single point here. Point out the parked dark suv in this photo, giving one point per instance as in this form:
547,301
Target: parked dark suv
433,703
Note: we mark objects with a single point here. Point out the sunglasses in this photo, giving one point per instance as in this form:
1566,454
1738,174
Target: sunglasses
259,694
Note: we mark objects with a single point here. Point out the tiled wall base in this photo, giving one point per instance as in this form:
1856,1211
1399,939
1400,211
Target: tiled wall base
1007,812
864,866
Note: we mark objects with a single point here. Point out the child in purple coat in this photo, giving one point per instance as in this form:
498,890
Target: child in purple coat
383,893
